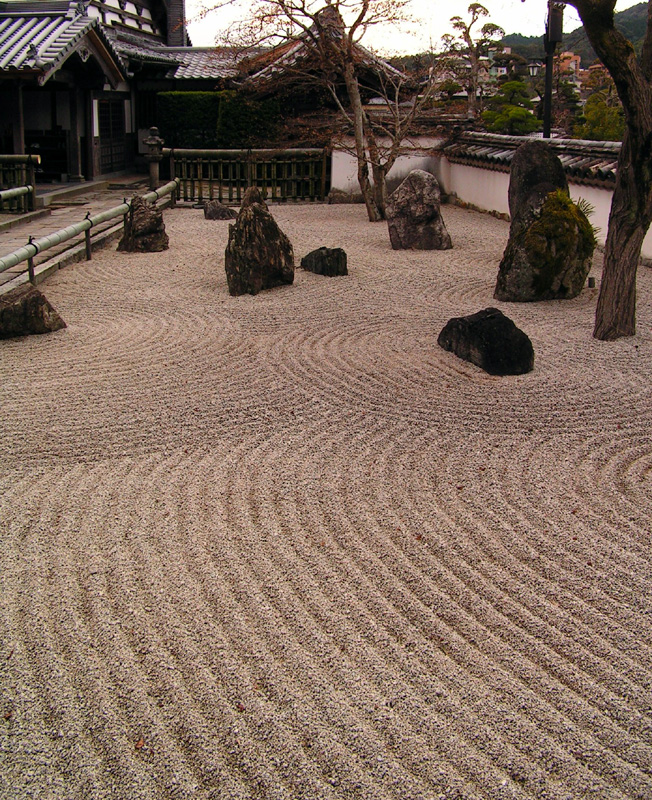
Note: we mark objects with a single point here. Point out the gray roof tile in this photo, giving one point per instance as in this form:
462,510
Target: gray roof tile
204,62
42,42
584,161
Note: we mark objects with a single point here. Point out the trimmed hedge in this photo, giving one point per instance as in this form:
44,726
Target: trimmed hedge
216,120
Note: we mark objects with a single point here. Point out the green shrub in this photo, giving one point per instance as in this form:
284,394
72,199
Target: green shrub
216,120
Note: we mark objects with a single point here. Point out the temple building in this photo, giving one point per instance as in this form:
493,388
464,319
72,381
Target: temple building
78,80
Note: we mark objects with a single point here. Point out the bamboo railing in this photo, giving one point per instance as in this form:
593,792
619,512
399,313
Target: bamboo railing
35,246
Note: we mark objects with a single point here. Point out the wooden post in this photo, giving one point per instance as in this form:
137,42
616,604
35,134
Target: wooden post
323,174
30,265
87,239
31,174
18,127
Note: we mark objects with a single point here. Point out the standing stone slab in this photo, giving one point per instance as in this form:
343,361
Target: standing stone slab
24,311
491,341
258,255
414,214
144,230
329,261
551,242
213,209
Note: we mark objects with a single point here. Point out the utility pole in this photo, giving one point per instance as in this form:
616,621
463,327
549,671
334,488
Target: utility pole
552,37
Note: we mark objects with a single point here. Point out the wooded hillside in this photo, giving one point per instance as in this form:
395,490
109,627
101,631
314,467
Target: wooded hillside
631,22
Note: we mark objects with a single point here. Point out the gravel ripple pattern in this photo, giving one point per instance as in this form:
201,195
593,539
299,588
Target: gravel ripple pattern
285,547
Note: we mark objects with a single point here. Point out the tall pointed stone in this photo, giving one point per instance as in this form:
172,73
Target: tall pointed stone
258,255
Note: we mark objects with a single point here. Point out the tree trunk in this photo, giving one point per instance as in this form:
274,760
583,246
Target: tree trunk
629,220
378,173
380,191
353,91
631,207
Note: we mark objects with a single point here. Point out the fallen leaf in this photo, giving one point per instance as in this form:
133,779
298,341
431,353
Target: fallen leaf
8,715
140,744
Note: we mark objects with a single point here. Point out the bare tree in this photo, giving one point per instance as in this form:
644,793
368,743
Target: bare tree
467,48
320,44
631,207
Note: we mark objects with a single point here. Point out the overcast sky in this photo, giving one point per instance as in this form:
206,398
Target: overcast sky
514,16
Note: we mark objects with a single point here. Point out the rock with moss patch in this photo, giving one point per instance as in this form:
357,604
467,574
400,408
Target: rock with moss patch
551,242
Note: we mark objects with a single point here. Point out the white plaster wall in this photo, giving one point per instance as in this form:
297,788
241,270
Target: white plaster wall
344,168
600,199
483,188
489,190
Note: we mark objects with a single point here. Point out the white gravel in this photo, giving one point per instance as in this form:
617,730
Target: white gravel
285,546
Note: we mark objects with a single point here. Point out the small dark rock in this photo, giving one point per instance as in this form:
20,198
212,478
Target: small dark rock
338,197
414,214
329,261
491,341
258,255
144,230
24,311
213,209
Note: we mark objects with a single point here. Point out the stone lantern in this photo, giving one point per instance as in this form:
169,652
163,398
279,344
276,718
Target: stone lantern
154,155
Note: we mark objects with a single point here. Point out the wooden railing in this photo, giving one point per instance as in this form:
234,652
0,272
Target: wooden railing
224,175
17,183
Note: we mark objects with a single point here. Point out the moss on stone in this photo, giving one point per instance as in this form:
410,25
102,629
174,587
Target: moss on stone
562,235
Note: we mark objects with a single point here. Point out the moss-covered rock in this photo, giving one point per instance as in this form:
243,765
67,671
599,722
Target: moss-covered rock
561,244
551,242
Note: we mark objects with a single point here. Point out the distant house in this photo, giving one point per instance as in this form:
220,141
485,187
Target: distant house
78,80
569,64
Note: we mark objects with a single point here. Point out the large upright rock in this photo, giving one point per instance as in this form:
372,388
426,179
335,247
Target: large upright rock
491,341
551,242
144,230
258,255
414,214
253,195
24,311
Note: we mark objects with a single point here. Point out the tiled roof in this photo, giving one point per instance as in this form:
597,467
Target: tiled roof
142,48
583,161
185,63
40,42
291,56
204,62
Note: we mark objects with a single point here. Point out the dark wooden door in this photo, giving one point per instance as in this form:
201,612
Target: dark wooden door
111,118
